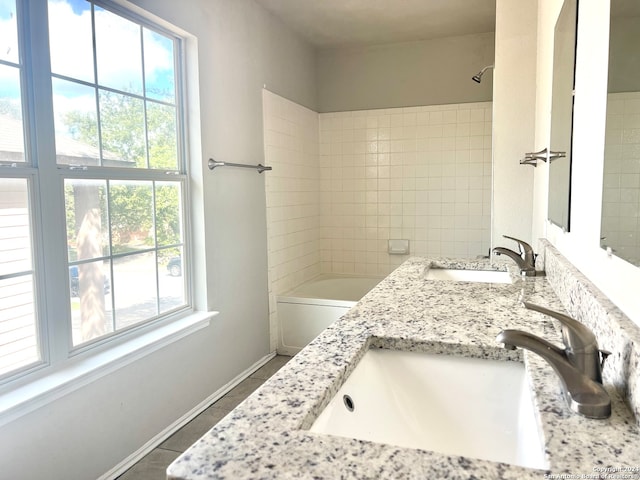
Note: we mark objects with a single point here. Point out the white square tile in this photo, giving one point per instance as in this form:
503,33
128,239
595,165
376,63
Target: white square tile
426,175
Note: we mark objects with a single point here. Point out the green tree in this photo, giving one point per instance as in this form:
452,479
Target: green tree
125,139
11,107
168,221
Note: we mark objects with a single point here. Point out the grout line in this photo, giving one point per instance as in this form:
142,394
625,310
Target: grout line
169,449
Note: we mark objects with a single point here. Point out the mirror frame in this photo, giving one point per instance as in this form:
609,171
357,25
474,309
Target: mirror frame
564,63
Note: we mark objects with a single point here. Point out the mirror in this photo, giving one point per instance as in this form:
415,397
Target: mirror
564,53
620,226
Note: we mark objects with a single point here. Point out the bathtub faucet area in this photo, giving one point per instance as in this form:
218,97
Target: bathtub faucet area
578,365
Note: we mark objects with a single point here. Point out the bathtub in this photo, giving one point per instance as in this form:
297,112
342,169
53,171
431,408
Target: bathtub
309,308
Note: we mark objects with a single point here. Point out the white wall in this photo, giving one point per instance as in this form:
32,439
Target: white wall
618,279
430,72
514,109
82,435
548,12
624,67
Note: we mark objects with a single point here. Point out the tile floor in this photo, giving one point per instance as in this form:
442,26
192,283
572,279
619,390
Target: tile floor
153,466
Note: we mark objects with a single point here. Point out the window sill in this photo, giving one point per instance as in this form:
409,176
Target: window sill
78,372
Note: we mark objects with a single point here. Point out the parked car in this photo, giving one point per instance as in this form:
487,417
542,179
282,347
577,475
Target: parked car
74,282
175,266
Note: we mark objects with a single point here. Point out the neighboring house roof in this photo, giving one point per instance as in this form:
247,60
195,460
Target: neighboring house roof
68,151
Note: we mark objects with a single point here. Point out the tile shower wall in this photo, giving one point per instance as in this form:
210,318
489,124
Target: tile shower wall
621,193
345,183
293,194
419,173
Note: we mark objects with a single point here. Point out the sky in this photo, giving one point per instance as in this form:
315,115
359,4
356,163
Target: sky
118,51
8,32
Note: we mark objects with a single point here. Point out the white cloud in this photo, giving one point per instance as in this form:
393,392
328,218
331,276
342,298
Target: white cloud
63,104
70,41
158,58
9,80
119,59
72,53
8,32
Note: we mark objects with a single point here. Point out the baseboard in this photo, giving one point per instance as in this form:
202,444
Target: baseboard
136,456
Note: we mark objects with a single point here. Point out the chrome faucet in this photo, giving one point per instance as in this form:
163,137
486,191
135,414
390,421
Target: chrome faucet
526,259
579,364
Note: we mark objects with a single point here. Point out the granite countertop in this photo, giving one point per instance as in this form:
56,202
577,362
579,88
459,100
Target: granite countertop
267,435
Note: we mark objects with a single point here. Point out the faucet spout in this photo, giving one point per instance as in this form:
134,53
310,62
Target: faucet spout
525,259
584,395
515,256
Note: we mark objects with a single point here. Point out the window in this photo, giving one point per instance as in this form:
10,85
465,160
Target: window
93,207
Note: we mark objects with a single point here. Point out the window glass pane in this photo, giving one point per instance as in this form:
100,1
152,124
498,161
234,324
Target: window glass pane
118,52
171,280
168,213
8,31
122,129
76,122
161,127
11,128
91,304
159,73
131,216
124,236
18,333
135,289
86,215
15,227
71,39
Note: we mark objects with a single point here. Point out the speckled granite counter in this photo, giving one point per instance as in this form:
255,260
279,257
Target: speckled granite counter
267,436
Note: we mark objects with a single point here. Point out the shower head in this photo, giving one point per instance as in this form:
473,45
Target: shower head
478,76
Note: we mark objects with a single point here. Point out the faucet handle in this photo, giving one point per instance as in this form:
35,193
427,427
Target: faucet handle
524,248
580,342
577,336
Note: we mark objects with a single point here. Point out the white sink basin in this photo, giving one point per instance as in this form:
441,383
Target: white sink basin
453,405
484,276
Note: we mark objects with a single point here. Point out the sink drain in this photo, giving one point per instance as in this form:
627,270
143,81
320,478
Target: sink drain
348,402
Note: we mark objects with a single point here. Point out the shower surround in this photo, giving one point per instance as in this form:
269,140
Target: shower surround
419,173
345,183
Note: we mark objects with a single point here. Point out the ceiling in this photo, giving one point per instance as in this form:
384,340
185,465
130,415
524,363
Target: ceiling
349,23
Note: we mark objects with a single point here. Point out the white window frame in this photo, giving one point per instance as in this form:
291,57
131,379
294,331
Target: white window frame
63,367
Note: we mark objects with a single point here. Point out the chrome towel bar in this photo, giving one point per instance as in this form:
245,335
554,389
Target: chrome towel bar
531,158
213,164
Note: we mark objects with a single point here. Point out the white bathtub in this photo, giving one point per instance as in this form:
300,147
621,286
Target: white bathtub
308,309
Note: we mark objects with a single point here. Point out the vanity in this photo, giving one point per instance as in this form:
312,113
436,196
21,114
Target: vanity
268,435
